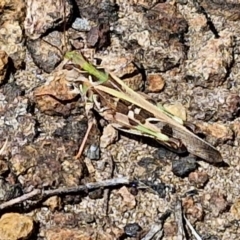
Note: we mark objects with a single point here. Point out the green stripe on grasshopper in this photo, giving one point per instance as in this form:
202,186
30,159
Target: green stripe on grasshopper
162,109
149,132
119,89
77,58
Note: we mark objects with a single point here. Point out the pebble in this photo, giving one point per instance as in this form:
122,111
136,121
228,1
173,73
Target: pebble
93,152
15,226
132,229
199,179
184,166
81,24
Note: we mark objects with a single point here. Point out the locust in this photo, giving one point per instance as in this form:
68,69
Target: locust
135,113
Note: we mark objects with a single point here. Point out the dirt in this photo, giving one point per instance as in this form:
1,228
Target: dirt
184,54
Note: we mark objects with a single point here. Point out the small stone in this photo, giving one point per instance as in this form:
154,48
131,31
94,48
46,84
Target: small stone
20,162
217,130
3,65
89,166
45,15
93,152
177,109
129,201
16,226
53,203
109,136
155,82
72,172
229,13
235,209
199,179
170,229
193,209
56,97
56,39
81,24
98,36
106,11
96,194
216,202
11,91
132,229
166,23
13,10
184,166
209,66
11,35
45,56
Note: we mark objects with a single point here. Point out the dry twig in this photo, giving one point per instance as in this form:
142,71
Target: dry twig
80,151
63,191
107,191
179,218
4,146
156,230
195,234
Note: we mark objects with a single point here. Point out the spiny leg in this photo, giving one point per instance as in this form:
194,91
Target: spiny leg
83,144
92,124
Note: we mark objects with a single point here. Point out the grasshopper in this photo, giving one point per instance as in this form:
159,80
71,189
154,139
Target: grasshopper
135,113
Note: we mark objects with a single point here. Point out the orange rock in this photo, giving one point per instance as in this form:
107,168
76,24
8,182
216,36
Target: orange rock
129,200
198,178
217,130
156,82
14,226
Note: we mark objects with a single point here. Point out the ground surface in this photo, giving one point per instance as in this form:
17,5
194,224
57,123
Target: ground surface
190,48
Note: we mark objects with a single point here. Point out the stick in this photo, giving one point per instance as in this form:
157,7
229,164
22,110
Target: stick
156,230
62,191
4,146
179,218
107,191
195,234
80,151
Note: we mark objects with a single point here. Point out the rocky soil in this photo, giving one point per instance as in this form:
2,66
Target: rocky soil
184,54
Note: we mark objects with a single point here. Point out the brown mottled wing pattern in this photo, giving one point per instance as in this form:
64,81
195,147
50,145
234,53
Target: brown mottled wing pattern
121,105
117,112
193,143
